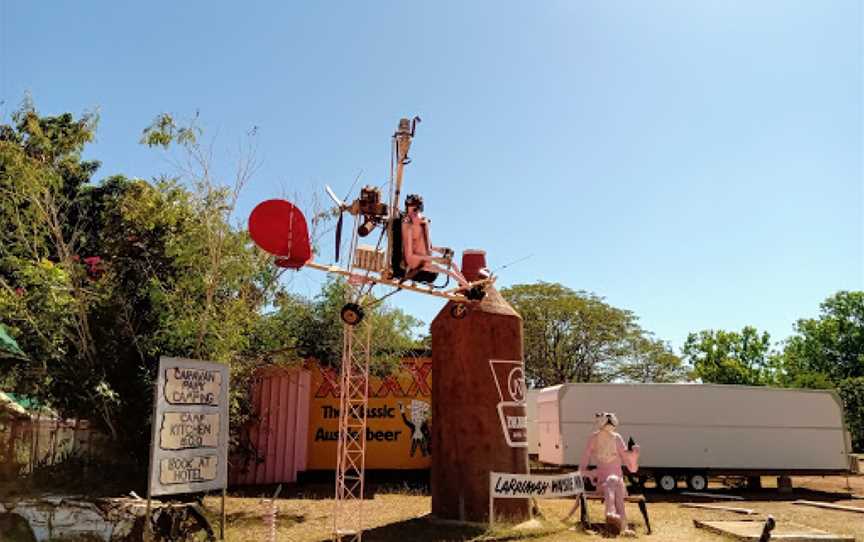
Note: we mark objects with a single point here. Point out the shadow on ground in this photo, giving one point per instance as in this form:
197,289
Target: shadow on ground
256,518
421,529
318,490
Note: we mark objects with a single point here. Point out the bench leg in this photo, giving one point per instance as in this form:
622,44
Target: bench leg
583,513
643,507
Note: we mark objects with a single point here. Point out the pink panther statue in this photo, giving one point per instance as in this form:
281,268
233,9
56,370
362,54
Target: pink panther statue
607,451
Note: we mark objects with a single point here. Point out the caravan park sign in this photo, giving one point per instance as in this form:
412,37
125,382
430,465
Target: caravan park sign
189,449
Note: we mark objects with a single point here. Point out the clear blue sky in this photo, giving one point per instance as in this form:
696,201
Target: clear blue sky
699,163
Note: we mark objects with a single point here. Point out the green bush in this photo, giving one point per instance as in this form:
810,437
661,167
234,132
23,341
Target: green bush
852,392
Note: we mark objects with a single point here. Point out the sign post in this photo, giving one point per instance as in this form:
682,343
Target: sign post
189,444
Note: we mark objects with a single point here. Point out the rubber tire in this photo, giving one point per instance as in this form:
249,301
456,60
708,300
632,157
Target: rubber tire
458,311
638,481
352,314
663,482
697,481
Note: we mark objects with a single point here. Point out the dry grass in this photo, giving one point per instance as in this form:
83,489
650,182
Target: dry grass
402,517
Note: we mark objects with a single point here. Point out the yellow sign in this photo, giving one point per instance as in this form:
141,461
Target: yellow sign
398,419
184,470
189,430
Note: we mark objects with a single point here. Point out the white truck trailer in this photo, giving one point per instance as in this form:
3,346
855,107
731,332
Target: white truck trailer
691,431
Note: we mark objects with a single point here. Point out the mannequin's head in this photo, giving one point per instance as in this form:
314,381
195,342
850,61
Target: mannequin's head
413,205
605,421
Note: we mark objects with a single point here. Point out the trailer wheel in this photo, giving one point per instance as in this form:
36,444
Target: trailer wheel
666,482
637,480
697,481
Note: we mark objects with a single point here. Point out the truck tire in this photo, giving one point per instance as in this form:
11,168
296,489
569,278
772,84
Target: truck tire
697,481
666,482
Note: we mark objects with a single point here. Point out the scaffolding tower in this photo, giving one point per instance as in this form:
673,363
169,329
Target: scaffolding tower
356,353
351,447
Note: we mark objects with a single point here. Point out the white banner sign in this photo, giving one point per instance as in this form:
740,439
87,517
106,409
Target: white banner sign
521,486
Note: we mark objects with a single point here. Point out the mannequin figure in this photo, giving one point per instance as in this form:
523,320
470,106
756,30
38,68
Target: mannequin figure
607,451
417,249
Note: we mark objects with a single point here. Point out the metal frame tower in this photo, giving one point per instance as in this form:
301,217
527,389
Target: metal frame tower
354,382
351,448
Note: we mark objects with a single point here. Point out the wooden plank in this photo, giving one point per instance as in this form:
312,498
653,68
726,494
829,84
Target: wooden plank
717,496
832,506
746,511
453,294
751,530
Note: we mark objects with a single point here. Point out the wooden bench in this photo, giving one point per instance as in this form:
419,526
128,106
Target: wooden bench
582,503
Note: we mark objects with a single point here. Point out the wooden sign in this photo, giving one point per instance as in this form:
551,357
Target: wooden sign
189,448
185,386
189,430
185,470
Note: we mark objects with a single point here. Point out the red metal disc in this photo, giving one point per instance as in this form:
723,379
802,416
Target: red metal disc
279,227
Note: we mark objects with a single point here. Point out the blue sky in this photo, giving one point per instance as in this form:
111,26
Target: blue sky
699,163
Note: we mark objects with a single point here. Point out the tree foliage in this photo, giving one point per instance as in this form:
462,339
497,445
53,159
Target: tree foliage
851,392
828,352
572,336
730,357
832,345
97,281
648,360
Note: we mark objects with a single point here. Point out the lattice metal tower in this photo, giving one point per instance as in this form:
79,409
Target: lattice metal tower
351,448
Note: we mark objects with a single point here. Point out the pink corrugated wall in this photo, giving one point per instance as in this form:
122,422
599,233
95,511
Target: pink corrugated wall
281,398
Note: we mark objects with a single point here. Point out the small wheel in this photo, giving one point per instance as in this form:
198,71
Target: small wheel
352,314
458,311
697,481
637,480
476,293
667,482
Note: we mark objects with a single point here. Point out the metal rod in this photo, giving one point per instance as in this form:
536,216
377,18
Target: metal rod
223,515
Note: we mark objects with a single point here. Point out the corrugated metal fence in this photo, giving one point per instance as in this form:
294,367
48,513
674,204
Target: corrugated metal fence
277,439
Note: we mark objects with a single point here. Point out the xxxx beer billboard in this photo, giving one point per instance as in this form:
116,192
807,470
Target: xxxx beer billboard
398,420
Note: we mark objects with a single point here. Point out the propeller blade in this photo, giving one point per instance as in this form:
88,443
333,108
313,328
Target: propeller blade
338,235
334,197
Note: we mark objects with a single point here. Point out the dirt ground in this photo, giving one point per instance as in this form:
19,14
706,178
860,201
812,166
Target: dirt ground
400,515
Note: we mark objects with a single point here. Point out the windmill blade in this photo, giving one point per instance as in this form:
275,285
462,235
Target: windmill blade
338,235
334,197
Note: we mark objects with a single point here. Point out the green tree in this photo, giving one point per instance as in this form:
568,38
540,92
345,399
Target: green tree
828,352
45,289
648,360
98,281
851,391
319,331
730,357
828,347
569,336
